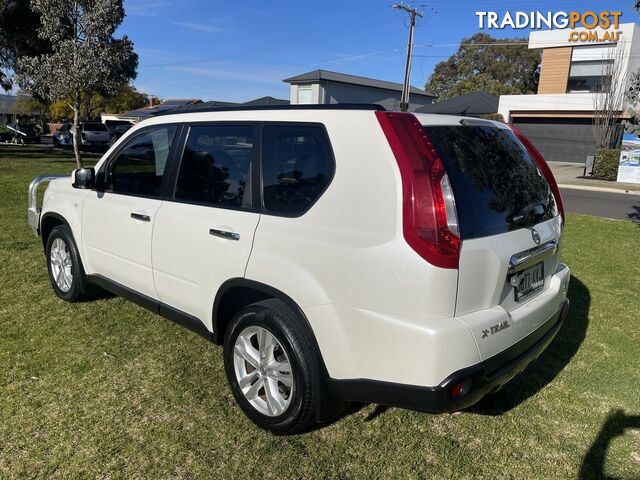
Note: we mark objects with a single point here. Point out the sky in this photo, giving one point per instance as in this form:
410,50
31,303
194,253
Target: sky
240,50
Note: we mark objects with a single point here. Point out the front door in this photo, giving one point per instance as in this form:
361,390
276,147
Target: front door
117,223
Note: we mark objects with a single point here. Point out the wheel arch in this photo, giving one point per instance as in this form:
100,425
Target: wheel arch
239,292
48,222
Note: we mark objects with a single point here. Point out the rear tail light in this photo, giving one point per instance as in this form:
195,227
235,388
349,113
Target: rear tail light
544,168
430,223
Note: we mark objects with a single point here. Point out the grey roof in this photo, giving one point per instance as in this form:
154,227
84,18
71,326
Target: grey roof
474,103
318,75
266,101
170,104
204,106
7,103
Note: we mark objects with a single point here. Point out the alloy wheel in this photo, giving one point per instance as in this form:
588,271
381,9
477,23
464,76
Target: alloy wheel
60,259
263,371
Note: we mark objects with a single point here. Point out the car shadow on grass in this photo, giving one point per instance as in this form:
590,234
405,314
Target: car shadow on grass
552,361
616,424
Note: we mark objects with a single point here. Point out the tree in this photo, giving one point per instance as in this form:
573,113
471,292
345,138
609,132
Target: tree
484,63
632,125
85,56
125,99
18,37
608,101
28,106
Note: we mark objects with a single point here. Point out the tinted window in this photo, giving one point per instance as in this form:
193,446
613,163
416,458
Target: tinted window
94,127
138,168
215,165
497,185
296,166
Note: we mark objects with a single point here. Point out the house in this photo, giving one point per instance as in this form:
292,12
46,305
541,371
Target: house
7,109
324,87
559,119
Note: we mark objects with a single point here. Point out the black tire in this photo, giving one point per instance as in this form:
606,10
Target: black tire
274,316
79,285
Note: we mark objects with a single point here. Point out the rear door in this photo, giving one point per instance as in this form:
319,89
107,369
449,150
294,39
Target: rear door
203,235
509,226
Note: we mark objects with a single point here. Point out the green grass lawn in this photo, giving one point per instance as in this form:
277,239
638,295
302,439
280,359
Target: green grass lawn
107,389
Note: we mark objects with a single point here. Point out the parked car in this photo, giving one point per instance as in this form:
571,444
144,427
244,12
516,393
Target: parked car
24,133
63,137
338,253
94,135
118,127
118,130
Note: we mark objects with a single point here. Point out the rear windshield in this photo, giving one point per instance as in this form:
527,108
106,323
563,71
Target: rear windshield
496,184
94,127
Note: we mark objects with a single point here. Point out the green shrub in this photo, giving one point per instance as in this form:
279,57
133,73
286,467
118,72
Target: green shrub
606,163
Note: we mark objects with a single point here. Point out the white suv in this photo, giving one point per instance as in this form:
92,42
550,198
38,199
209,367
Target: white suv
339,253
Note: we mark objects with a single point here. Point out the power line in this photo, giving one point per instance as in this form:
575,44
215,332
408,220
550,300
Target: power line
344,27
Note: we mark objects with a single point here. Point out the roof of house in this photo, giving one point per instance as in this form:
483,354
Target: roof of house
266,101
474,103
169,104
326,75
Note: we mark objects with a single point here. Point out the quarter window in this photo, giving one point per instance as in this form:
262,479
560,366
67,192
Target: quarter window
139,167
297,166
215,166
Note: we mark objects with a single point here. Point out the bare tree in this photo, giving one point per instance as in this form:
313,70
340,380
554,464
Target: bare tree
608,104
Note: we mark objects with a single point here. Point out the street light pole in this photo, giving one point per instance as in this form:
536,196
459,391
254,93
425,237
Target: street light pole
413,13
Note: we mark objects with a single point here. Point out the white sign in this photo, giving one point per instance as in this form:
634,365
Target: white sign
629,166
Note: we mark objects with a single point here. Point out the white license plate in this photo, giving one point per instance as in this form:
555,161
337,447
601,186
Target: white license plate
529,280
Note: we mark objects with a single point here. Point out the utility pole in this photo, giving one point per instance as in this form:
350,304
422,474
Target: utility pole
413,13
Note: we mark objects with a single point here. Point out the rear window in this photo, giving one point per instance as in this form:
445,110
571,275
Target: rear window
497,185
94,127
297,166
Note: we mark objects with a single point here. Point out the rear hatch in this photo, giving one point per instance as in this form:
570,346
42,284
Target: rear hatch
509,228
95,132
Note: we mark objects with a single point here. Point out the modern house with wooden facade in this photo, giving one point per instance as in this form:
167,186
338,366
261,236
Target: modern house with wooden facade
574,77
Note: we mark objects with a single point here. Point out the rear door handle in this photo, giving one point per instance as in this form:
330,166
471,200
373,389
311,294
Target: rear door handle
224,234
141,217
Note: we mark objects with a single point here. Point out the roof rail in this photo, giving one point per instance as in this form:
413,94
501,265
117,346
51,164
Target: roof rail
333,106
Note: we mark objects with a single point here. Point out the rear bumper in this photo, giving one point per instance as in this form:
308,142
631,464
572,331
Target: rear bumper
485,377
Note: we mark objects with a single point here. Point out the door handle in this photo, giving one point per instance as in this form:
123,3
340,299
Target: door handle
224,234
141,217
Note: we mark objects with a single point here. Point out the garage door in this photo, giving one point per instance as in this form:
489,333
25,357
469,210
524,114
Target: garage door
560,139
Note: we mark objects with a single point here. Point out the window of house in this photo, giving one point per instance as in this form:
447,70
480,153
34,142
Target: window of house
591,68
139,167
305,95
215,166
297,166
590,76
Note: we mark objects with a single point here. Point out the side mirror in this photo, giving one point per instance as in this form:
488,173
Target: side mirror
84,178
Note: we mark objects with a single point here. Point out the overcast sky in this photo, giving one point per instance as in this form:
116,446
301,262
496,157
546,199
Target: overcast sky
240,50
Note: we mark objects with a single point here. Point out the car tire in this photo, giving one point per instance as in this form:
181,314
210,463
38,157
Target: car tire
282,400
65,269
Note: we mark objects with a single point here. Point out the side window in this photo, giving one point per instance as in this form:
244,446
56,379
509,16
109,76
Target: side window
297,166
215,166
138,168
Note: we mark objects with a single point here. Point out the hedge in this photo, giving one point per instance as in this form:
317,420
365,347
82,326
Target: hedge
606,163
